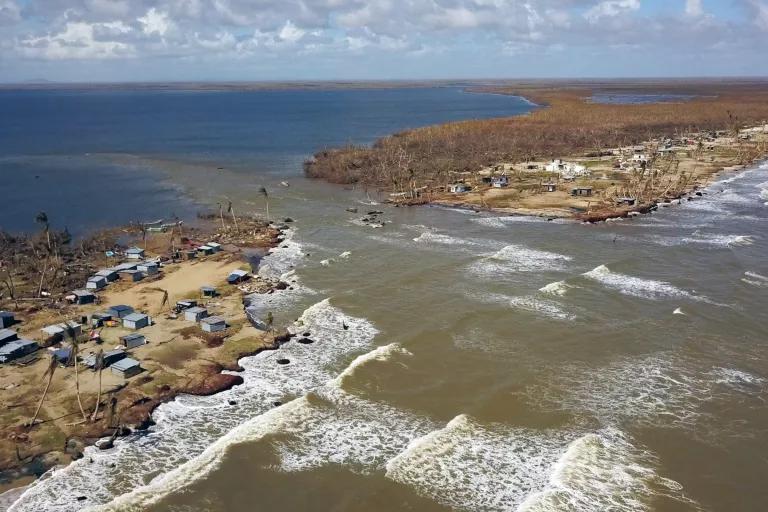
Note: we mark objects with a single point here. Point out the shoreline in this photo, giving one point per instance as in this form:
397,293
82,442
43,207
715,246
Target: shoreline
138,397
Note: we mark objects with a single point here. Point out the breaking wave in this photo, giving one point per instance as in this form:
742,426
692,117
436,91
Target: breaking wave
518,258
755,279
635,286
558,288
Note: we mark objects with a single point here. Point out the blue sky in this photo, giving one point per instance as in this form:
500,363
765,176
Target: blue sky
144,40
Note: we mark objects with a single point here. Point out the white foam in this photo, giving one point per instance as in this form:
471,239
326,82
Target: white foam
382,353
506,221
282,259
469,466
530,303
603,471
738,379
635,286
755,279
518,258
558,288
431,237
678,311
172,453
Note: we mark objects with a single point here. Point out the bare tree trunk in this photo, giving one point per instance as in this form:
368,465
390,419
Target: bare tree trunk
50,372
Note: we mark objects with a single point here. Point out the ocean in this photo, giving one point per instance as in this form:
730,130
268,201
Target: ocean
490,363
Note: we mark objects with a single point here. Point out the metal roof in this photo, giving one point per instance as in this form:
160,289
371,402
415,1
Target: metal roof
121,307
135,317
134,250
125,364
7,333
213,320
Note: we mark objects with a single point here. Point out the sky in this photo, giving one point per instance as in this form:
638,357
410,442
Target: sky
252,40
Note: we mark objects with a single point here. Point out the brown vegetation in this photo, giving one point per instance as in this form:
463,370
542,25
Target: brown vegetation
567,125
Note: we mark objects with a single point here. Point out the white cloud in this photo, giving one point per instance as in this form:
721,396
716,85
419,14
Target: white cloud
611,8
291,33
694,8
78,40
759,10
155,22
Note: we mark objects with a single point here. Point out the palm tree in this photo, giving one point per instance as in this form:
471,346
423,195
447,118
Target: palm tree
99,367
73,359
52,364
263,191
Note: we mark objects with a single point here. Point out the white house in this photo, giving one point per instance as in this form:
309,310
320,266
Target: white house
459,188
96,283
500,181
195,314
567,170
136,321
134,253
148,267
213,324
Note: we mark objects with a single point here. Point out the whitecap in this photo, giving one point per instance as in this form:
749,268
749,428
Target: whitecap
635,286
558,288
518,258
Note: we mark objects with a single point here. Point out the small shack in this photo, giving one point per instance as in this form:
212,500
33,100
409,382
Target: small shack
125,266
99,319
7,319
626,201
215,246
63,355
16,349
148,267
81,297
136,321
110,357
7,335
190,254
120,311
133,340
134,253
550,187
126,368
500,182
132,275
213,324
581,191
459,188
109,274
195,314
205,249
182,305
52,334
208,291
237,276
96,283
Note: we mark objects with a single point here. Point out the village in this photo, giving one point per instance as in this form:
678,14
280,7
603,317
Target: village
602,184
94,362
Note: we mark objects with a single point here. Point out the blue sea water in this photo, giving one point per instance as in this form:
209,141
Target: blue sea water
84,157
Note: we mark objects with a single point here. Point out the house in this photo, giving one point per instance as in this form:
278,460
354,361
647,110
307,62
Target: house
81,297
126,367
213,324
109,274
215,246
120,311
16,349
110,357
185,304
134,253
208,291
459,188
133,340
7,335
581,191
52,334
195,314
626,201
63,355
205,249
550,187
148,267
500,182
190,254
124,266
567,170
57,332
96,283
98,319
6,319
132,275
136,321
237,276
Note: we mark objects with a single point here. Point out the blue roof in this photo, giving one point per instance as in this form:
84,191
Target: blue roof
11,346
121,307
6,314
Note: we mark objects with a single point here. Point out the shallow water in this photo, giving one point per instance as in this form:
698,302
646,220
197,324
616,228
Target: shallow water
488,363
